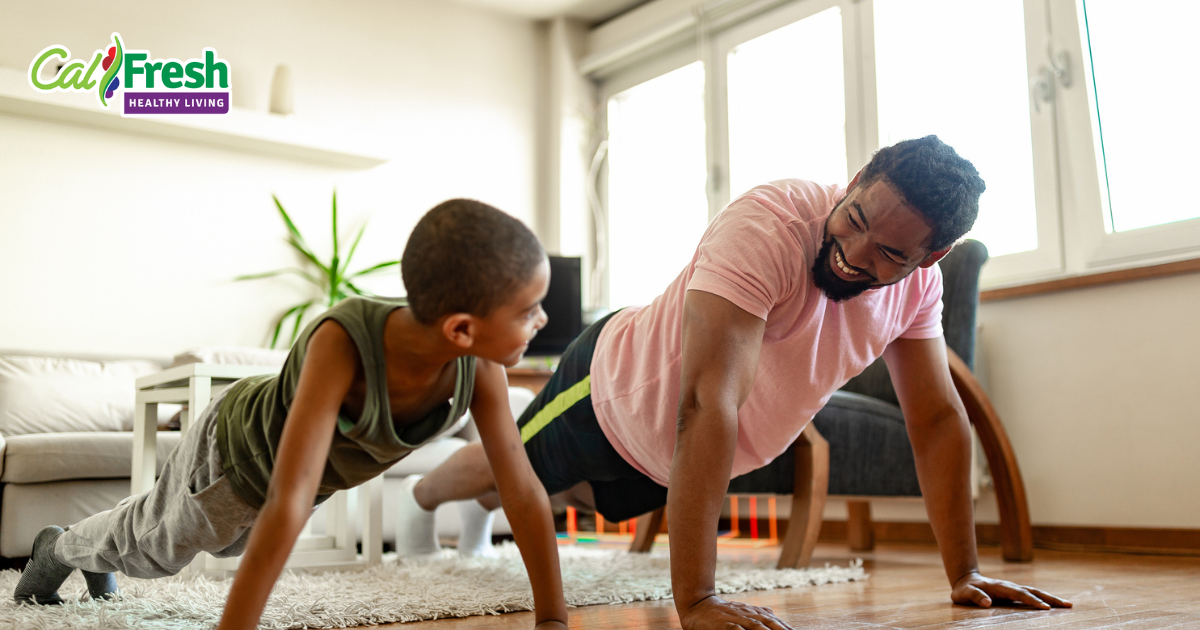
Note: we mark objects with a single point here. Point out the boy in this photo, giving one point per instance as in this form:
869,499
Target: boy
365,384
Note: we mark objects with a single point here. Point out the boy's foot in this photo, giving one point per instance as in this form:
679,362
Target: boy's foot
44,574
475,538
101,585
416,529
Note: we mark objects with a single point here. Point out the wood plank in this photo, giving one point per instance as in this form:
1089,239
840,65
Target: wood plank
1092,280
907,589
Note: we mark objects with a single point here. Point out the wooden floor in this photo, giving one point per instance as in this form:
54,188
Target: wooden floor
907,589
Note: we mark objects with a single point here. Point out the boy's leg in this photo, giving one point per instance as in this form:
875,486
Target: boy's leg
190,508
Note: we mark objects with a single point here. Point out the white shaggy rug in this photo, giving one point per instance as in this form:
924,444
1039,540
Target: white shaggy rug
396,591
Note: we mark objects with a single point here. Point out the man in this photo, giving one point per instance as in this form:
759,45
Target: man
794,289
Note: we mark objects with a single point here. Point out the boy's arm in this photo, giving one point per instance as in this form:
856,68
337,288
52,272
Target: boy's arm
941,440
521,493
325,378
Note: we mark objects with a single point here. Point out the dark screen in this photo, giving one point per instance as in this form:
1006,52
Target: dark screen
564,307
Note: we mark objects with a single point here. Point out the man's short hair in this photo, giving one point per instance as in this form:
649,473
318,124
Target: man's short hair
931,177
465,256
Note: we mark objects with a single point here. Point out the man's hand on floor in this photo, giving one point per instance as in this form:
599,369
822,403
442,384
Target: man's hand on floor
551,625
977,590
718,614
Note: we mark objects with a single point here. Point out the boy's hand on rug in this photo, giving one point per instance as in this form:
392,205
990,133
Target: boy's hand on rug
975,589
718,614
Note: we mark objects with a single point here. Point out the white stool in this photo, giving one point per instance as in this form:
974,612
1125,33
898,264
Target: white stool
194,385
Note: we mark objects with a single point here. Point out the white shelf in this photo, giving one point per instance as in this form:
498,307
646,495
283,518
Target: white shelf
239,130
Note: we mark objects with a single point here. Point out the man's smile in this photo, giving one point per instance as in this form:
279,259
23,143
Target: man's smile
848,272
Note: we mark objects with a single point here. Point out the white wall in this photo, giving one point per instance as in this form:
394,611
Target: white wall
122,244
1098,390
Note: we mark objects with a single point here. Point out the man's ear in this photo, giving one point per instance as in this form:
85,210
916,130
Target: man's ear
459,329
854,182
933,257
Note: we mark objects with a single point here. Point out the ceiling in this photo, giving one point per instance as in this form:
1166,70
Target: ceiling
592,11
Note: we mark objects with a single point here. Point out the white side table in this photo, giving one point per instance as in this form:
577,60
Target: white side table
195,385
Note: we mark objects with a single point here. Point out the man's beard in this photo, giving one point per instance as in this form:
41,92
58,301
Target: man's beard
828,282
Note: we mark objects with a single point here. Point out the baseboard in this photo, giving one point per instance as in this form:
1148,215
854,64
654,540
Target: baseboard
1142,540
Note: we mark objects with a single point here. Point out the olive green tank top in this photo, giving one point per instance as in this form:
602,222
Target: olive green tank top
251,417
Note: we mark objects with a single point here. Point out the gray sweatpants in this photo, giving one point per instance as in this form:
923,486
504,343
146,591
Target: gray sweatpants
191,508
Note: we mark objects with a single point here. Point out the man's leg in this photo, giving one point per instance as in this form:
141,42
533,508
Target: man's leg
465,476
559,459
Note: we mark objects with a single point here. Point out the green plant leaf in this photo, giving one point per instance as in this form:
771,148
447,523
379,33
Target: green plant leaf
335,229
283,318
296,322
375,268
359,291
308,255
300,243
278,272
353,247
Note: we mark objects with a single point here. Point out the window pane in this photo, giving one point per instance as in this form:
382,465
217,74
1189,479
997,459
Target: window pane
657,207
1145,105
957,69
787,113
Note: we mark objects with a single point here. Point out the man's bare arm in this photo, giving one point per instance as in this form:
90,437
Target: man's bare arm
941,438
325,379
522,494
721,344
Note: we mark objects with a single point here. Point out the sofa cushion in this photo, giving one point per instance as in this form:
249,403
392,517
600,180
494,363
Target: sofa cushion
42,457
50,395
232,355
426,458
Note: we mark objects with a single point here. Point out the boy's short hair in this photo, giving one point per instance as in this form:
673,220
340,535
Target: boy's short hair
941,185
465,256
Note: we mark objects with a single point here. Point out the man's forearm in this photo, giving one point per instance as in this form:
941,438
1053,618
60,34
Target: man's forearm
704,448
943,457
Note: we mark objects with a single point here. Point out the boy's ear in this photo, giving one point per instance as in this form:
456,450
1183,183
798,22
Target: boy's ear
459,329
933,257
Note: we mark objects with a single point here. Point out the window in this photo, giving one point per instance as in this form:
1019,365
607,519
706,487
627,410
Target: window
1147,124
938,72
1076,113
787,108
657,210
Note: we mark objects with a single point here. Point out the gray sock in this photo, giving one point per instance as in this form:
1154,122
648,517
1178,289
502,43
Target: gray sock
44,574
101,585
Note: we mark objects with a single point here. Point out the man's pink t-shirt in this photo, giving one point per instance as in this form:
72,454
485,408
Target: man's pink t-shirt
757,253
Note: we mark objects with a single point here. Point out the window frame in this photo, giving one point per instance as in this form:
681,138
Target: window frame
1071,216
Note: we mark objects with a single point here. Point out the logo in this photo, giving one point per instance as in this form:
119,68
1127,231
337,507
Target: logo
141,84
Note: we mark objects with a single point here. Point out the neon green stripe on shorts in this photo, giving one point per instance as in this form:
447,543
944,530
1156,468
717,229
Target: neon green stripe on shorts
561,403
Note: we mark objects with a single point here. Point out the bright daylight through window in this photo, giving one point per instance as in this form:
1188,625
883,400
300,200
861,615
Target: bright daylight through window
657,206
1146,108
787,106
957,69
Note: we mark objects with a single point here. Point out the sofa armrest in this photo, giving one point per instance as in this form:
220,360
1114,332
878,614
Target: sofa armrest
2,454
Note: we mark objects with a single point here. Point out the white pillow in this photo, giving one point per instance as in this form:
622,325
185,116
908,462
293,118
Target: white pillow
232,355
45,395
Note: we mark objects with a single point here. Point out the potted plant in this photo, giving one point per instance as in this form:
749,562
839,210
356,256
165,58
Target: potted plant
332,279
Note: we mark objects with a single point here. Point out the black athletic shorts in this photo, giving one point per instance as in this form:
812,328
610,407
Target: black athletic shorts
566,446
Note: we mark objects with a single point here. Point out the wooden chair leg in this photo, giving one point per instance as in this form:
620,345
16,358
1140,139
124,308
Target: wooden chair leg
859,529
808,499
1016,534
648,526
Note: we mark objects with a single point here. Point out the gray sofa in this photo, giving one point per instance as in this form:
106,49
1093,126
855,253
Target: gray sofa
66,443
